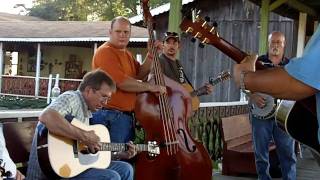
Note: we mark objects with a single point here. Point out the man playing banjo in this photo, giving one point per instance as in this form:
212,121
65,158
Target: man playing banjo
262,113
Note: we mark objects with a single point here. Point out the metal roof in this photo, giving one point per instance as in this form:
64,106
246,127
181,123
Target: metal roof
62,31
291,8
156,11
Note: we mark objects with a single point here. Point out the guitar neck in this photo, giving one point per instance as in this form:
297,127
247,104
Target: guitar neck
233,52
122,147
210,36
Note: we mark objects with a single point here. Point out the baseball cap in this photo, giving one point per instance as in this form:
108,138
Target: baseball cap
169,35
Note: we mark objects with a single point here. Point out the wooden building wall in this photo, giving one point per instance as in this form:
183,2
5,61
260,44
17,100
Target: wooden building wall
238,22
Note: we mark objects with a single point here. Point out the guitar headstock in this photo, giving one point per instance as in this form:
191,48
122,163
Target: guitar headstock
199,28
153,148
224,75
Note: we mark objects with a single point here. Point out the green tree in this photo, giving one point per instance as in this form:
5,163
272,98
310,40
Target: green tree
82,10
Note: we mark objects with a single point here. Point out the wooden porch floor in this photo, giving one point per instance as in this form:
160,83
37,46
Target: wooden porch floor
307,169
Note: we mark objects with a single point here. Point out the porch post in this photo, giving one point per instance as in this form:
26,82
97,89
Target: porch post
301,33
1,64
95,46
175,17
37,79
264,22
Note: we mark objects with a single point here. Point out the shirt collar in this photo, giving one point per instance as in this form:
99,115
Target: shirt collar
86,112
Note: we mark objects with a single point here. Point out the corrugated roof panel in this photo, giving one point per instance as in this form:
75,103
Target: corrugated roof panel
156,11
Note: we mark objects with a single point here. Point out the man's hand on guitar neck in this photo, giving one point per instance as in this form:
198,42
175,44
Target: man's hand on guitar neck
247,64
130,153
206,89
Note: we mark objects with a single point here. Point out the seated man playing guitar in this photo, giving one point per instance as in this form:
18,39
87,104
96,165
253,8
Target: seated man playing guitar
172,68
8,168
299,79
95,90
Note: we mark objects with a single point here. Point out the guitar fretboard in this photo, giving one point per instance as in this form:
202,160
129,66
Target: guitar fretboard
122,147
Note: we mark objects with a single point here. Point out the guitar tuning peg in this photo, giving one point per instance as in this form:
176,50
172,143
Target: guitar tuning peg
214,24
201,45
193,40
207,18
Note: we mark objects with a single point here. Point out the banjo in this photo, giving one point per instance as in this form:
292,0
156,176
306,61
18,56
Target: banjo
265,112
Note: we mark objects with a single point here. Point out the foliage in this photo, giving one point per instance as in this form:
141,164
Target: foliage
12,102
83,10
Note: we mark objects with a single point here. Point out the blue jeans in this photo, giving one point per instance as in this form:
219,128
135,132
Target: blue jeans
118,170
119,124
263,132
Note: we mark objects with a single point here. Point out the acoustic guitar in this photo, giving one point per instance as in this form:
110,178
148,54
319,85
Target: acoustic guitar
298,119
66,158
202,90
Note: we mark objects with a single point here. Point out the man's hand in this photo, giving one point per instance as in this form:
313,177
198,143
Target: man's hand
207,88
258,100
157,89
130,153
247,64
158,44
92,141
19,175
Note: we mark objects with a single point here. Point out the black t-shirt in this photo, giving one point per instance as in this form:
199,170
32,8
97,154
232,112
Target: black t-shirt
172,69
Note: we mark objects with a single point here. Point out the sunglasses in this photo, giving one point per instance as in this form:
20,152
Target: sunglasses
172,34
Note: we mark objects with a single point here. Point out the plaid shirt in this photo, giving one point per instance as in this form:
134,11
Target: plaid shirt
70,103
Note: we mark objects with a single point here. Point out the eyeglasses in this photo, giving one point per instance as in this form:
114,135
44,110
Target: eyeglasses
172,34
102,98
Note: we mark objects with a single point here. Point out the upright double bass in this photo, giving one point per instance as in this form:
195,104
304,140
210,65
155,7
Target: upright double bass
164,119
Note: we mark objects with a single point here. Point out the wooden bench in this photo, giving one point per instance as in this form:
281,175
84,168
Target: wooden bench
18,136
238,155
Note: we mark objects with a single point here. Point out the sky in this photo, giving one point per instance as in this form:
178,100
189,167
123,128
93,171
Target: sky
8,6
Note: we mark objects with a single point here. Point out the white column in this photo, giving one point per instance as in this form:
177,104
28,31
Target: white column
315,26
37,80
95,47
301,33
1,64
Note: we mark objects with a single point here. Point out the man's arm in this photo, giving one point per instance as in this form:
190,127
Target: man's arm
133,85
145,68
276,82
56,124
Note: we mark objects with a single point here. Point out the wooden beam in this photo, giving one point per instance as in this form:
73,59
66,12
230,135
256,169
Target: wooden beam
264,23
276,4
301,33
175,15
302,7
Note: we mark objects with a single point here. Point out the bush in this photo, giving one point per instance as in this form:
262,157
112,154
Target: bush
12,102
